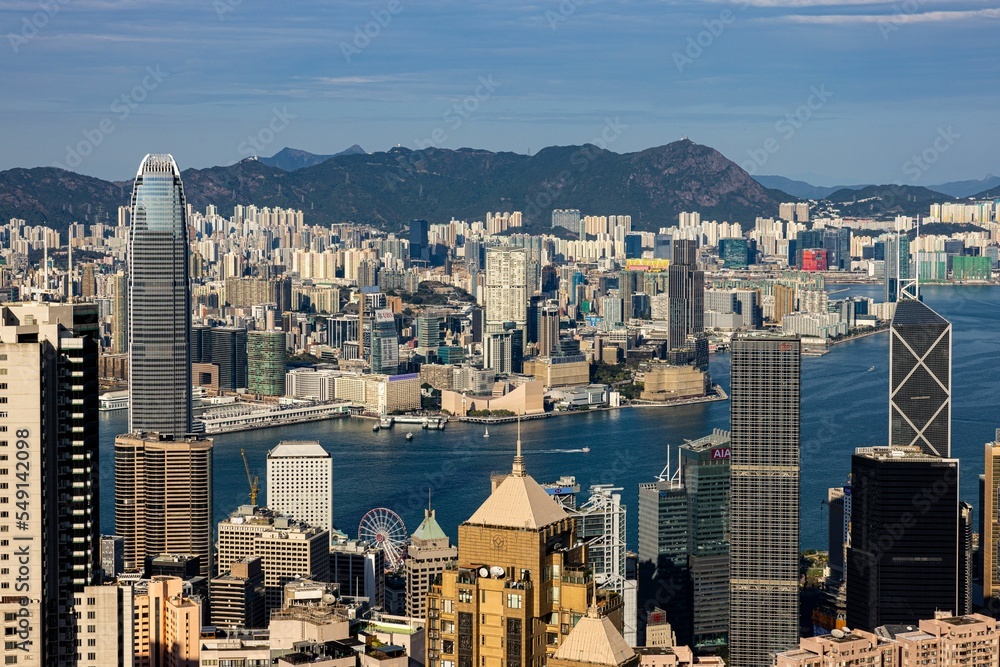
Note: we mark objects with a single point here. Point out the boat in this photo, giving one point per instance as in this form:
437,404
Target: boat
375,428
487,434
585,450
871,369
409,435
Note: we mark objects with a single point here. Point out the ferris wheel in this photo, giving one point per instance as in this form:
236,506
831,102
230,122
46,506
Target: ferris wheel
385,529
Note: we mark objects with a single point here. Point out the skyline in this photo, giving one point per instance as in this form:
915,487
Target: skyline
199,79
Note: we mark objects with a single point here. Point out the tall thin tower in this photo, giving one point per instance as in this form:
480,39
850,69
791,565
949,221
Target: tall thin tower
159,301
764,509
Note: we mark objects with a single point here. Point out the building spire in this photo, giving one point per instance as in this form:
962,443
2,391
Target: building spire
518,470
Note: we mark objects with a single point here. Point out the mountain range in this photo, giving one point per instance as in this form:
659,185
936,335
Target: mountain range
387,189
805,190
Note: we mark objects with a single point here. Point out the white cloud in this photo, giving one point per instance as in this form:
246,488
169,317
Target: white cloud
895,18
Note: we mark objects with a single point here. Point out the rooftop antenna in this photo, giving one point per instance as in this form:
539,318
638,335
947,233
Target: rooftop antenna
666,475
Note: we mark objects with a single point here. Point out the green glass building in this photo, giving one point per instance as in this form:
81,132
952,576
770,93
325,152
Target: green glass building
266,362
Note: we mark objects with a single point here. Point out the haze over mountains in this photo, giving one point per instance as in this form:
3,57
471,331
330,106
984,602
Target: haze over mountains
387,189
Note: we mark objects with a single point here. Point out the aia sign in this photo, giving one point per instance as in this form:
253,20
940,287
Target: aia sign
721,453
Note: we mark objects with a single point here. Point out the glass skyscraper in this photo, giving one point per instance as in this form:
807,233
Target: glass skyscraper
764,505
159,301
920,379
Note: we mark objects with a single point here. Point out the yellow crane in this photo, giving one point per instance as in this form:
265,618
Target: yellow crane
254,482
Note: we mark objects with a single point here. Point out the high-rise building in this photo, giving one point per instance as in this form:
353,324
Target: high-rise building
521,580
167,623
429,553
105,625
506,299
238,595
288,549
266,358
359,569
159,301
229,353
300,482
989,523
50,526
764,501
419,231
898,271
118,286
568,219
920,379
163,497
383,343
686,290
904,529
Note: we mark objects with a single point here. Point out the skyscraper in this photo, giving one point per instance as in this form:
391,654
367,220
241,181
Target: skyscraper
119,313
904,530
686,290
50,526
159,301
300,482
989,522
229,353
764,504
266,357
429,553
897,266
920,379
163,497
506,299
419,230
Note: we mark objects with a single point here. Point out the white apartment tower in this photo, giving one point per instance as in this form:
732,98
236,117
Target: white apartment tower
300,482
506,289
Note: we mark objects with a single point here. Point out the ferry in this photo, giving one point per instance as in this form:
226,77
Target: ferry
114,400
585,450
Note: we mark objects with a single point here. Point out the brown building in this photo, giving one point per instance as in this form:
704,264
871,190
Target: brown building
784,301
520,585
167,624
665,383
163,497
989,539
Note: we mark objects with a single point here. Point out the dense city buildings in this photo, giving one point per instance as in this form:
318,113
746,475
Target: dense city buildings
163,497
765,423
159,301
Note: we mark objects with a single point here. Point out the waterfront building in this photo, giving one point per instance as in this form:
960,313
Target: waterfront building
904,528
266,357
159,301
920,379
383,343
521,582
50,523
686,290
288,549
764,502
429,553
300,482
163,497
229,355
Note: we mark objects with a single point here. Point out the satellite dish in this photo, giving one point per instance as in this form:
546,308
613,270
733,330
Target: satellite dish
498,572
484,572
329,599
846,631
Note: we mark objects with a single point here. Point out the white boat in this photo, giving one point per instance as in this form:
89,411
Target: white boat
409,436
871,370
487,434
375,427
585,450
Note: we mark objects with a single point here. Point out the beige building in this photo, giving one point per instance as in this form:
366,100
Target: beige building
163,497
385,394
429,553
594,642
990,539
962,641
559,371
300,482
527,399
665,383
309,613
288,549
104,621
166,624
520,584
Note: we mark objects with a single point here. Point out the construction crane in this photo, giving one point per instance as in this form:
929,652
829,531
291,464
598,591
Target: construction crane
254,482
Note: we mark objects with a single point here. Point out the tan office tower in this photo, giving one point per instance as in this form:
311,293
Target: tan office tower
163,497
104,622
520,585
300,482
49,462
430,551
989,539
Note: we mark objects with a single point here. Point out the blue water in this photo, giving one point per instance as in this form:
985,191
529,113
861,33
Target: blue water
843,406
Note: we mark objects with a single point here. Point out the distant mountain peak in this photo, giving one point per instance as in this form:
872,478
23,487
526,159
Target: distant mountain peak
293,159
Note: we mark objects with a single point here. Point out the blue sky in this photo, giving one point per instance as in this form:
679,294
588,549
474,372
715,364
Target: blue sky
830,91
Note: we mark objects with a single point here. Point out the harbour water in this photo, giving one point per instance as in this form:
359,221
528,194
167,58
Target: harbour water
844,405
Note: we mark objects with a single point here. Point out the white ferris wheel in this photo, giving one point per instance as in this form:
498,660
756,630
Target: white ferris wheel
384,529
